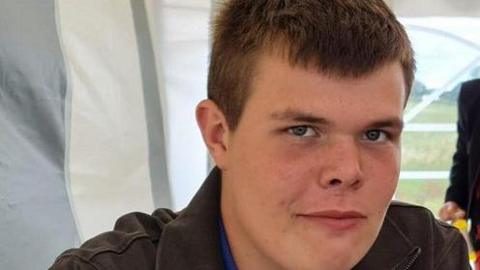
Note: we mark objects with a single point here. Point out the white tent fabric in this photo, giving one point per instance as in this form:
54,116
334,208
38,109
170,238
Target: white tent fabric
182,53
108,155
83,99
36,221
109,134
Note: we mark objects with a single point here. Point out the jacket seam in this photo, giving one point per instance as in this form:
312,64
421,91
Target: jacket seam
72,255
445,251
122,247
399,231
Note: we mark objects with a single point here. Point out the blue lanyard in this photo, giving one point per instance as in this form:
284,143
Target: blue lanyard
226,253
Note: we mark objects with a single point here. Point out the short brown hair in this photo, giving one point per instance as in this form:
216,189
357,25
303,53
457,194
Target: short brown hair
339,37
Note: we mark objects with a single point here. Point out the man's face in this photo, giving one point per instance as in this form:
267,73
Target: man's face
312,166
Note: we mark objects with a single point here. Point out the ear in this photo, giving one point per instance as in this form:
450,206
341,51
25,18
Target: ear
214,129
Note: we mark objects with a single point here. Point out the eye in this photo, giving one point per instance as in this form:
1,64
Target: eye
302,131
376,135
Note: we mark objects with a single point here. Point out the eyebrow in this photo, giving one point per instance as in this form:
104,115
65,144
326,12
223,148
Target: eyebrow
393,122
296,115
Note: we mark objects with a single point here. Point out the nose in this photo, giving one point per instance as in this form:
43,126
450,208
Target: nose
342,168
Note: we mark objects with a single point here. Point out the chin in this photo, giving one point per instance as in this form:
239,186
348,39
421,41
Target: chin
339,255
332,263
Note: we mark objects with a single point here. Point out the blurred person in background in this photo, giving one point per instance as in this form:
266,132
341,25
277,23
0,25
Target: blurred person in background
462,199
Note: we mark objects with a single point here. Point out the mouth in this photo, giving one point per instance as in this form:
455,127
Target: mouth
335,220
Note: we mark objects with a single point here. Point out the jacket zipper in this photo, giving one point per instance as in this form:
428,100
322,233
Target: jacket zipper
409,260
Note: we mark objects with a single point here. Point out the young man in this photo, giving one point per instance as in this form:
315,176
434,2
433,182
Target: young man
303,120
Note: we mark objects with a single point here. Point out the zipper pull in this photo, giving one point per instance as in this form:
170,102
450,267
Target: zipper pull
406,263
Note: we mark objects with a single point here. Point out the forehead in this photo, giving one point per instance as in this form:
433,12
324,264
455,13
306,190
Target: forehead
278,85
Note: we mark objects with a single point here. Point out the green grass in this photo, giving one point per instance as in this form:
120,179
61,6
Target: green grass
428,151
437,112
429,193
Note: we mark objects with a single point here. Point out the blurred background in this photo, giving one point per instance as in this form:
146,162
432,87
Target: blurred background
97,103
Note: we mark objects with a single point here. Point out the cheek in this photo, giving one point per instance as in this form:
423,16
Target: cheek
278,181
381,177
264,169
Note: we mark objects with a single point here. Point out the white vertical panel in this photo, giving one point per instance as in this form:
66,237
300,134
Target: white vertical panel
182,46
108,145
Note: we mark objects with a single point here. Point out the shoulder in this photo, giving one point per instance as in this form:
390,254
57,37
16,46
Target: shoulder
132,242
400,209
437,240
419,222
469,105
470,90
471,85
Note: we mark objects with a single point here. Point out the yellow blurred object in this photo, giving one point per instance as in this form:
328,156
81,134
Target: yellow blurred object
472,256
462,226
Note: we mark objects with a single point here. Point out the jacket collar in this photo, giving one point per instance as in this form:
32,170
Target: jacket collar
192,240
